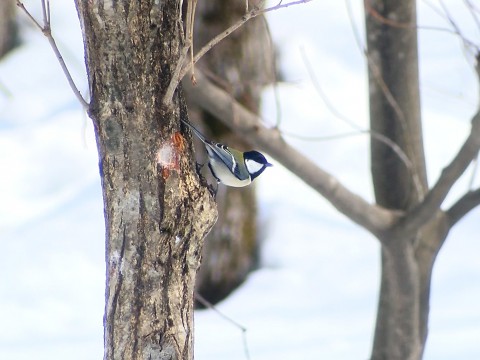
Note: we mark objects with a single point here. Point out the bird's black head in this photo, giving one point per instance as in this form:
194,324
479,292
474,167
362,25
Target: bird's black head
255,163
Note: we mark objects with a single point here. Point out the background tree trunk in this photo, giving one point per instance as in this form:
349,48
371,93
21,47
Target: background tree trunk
241,64
407,261
156,212
8,26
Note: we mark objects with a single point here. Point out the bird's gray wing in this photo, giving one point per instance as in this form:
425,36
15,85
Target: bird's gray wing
224,154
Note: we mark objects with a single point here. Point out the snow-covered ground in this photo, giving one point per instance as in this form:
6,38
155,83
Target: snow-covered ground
315,294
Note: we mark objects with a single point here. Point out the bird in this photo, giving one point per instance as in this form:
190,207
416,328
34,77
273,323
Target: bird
229,166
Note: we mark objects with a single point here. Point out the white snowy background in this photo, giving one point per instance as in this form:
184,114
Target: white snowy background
314,295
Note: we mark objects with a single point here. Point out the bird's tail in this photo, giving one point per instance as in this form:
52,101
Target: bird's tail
195,131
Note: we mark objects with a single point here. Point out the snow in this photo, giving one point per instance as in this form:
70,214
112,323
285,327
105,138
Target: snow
315,293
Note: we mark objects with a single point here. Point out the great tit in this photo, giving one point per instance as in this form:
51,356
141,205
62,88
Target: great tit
229,166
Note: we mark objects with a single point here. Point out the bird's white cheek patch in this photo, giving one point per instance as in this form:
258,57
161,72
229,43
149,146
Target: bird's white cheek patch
253,166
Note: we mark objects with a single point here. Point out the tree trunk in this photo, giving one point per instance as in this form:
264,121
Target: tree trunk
241,64
407,261
156,212
8,26
395,103
397,332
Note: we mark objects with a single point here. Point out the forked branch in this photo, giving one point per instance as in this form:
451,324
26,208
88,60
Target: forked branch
450,174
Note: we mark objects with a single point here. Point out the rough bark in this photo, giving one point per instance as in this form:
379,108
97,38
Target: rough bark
407,258
156,211
241,64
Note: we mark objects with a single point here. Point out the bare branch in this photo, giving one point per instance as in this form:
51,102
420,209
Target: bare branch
463,205
374,134
473,12
21,6
187,65
248,16
450,174
219,103
47,31
192,4
443,12
46,12
430,205
274,67
455,30
176,77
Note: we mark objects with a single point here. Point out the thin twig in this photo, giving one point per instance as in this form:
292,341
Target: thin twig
212,307
46,12
273,66
186,66
192,4
47,31
248,16
444,13
377,73
379,137
322,137
466,43
473,12
375,70
374,134
21,6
